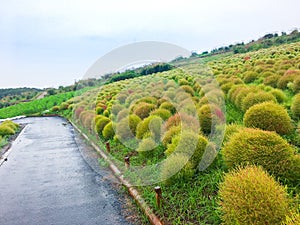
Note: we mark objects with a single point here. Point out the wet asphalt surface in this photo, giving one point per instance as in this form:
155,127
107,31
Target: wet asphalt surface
52,177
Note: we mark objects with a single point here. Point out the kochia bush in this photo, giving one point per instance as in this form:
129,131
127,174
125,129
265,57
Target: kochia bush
252,196
269,116
295,108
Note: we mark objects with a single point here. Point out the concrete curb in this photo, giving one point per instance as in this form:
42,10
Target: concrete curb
132,191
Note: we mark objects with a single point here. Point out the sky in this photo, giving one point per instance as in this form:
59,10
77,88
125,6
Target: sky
51,43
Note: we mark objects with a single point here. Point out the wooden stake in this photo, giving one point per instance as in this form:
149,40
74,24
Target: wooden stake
158,196
127,161
107,147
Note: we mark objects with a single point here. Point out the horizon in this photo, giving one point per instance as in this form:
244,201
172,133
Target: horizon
51,44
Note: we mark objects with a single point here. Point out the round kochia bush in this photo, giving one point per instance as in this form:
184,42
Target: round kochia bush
252,196
263,148
256,98
151,124
108,131
143,109
269,116
295,108
101,122
190,144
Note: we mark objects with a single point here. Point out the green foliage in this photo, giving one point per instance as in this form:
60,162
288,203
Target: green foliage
271,80
169,134
208,115
269,116
108,131
101,122
295,108
150,124
169,106
190,144
126,128
36,106
255,98
188,89
263,148
143,109
250,76
251,196
6,130
176,168
146,147
162,113
279,95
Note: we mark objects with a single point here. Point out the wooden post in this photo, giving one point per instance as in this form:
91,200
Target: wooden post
127,162
158,196
107,147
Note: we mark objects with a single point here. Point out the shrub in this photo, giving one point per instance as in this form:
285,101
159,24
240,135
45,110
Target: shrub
122,114
64,106
292,219
296,85
116,108
167,138
279,95
188,89
143,109
108,131
162,113
182,82
169,106
176,168
190,144
271,80
126,128
101,122
55,108
269,116
230,130
10,124
251,196
255,98
146,147
295,108
263,148
151,124
288,77
208,114
6,130
250,76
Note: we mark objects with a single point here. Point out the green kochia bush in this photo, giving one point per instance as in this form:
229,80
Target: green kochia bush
190,144
263,148
126,128
151,124
255,98
176,168
162,113
101,122
6,130
146,147
252,196
108,131
295,108
143,109
269,116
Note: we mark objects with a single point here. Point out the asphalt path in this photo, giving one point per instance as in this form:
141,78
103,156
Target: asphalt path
52,177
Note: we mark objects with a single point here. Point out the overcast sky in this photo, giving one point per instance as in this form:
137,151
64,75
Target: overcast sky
54,42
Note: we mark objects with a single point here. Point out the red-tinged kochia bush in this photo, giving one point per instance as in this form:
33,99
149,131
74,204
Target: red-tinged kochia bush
252,196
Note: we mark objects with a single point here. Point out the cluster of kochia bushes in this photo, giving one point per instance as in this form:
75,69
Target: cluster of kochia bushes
7,128
177,112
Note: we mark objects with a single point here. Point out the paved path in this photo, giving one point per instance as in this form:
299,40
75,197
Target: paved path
47,180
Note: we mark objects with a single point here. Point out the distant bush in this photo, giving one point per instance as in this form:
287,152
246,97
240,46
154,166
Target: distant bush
6,130
250,76
207,115
169,106
269,116
151,124
108,131
162,113
101,122
182,82
190,144
295,108
176,168
271,81
143,109
168,135
188,89
296,84
288,77
64,106
146,147
263,148
251,196
279,95
255,98
126,128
